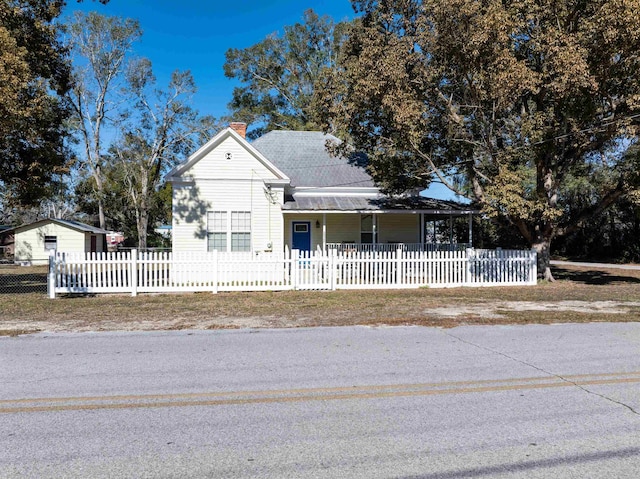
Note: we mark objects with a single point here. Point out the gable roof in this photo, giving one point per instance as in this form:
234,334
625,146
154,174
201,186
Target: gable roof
303,157
76,225
213,143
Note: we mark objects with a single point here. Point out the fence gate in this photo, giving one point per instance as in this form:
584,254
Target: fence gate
311,270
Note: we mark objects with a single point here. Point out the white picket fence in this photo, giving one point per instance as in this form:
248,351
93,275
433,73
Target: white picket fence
162,272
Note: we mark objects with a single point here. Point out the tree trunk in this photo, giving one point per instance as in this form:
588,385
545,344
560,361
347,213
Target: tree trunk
97,176
142,209
101,217
142,217
543,249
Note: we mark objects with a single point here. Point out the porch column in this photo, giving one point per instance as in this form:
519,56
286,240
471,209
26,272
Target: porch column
450,228
471,230
374,219
422,229
324,232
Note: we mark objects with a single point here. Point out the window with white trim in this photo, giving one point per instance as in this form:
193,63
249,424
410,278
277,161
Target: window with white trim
50,242
229,231
240,231
367,230
217,230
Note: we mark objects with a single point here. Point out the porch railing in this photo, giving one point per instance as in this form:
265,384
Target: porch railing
385,247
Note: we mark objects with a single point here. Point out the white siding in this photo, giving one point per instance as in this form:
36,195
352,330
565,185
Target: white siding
399,228
343,227
218,183
242,165
191,203
29,243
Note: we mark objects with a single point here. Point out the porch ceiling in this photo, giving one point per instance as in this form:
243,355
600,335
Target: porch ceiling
328,204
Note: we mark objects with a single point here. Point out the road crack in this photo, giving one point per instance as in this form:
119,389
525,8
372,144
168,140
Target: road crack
544,371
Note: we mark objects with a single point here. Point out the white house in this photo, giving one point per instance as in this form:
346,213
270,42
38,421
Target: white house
285,190
34,241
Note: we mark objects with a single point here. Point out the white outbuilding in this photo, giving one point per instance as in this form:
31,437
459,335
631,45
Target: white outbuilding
34,241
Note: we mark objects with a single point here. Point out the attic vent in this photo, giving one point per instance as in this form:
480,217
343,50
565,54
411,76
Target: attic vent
228,155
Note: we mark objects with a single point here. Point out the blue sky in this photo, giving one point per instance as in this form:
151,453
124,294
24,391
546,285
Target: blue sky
195,34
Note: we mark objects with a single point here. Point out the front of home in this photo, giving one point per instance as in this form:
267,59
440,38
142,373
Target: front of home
281,213
284,190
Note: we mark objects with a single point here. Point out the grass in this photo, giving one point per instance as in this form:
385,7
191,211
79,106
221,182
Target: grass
28,311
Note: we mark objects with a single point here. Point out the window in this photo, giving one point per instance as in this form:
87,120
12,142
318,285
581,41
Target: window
50,242
367,229
225,235
217,230
240,231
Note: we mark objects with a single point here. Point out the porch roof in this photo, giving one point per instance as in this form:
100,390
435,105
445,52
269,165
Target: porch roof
354,204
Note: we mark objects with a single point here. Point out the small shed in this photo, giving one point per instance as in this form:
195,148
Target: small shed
32,242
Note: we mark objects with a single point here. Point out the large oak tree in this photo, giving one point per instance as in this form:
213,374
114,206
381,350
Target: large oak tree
510,103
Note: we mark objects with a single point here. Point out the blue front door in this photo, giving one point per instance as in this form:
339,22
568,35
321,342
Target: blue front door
301,235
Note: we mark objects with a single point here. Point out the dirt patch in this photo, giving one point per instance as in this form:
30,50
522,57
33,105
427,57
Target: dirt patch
497,309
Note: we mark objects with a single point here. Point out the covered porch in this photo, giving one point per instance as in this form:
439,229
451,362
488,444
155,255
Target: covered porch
377,224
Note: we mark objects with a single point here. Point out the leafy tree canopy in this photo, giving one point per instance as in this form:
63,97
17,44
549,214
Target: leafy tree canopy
510,103
278,74
34,73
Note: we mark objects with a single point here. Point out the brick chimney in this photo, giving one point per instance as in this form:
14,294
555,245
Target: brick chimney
239,127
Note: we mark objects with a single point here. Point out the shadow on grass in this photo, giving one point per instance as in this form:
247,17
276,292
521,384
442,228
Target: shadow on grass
592,276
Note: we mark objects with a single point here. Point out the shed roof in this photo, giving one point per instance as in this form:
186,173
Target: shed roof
76,225
303,157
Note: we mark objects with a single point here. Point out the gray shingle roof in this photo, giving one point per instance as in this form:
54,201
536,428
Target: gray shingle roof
359,203
303,157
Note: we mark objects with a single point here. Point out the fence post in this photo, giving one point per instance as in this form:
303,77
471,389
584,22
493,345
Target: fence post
533,280
51,283
399,266
294,268
332,269
215,271
133,272
470,255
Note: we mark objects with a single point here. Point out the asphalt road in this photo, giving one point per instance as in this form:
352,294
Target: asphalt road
559,401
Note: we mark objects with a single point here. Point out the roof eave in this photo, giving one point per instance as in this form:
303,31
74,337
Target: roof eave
79,228
333,190
439,212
